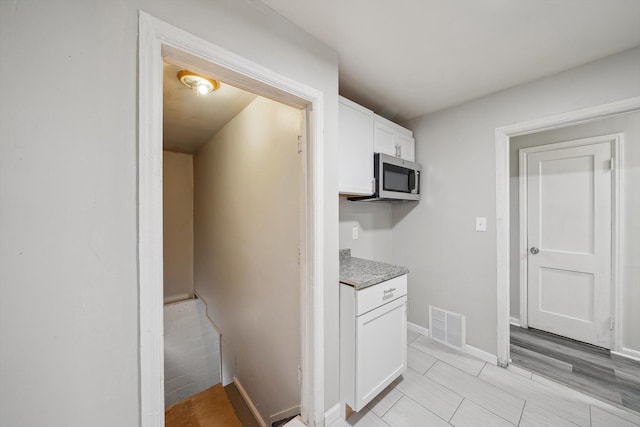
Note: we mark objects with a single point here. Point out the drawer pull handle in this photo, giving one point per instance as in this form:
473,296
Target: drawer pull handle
388,291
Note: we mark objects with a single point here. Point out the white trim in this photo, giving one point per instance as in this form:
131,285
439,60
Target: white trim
524,246
572,143
158,39
249,402
481,354
417,328
628,353
302,250
615,141
333,414
515,321
502,136
616,245
502,246
150,227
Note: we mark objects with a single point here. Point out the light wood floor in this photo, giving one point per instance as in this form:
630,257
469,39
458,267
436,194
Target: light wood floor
442,387
584,367
209,408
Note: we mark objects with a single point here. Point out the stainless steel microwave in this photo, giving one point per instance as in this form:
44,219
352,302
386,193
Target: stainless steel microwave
395,180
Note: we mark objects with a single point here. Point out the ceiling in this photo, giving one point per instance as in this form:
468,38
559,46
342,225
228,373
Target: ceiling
407,58
189,121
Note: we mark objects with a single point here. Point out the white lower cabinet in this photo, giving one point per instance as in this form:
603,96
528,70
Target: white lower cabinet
373,339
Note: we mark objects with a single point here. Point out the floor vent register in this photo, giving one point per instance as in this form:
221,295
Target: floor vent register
447,327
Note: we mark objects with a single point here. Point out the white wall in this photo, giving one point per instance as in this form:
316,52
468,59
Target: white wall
373,221
629,124
68,276
451,265
191,350
68,179
247,234
177,223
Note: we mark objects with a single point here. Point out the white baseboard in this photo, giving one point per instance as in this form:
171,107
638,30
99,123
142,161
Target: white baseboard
417,328
481,354
515,321
473,351
249,403
628,353
332,414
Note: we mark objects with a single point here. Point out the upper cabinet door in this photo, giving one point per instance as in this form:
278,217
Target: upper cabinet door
384,139
407,147
355,138
392,139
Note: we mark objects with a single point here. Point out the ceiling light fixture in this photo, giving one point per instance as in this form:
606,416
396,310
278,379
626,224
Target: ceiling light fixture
201,85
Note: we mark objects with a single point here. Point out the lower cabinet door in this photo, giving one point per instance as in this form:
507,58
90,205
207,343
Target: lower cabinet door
381,349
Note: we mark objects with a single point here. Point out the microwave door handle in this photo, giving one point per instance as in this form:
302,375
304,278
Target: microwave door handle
415,188
412,181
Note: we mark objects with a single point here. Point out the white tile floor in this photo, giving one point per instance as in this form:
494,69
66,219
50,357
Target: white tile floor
445,388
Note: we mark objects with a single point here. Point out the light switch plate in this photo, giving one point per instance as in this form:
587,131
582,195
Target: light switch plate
354,233
481,223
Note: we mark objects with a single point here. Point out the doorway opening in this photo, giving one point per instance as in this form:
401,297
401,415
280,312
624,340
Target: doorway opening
232,168
161,42
533,292
565,215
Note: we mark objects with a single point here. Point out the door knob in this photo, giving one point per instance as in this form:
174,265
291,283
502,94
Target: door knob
534,250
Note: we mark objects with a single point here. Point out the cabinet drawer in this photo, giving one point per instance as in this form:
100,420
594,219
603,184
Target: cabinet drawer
374,296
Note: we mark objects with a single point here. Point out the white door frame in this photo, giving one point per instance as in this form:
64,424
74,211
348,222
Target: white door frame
158,39
502,140
616,141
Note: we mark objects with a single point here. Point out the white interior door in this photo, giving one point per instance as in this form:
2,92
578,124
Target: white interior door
569,240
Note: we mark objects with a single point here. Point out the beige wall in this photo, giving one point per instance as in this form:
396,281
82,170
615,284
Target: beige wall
451,265
247,233
68,194
629,125
177,202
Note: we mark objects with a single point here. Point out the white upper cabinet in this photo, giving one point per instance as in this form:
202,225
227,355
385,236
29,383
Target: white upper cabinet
361,133
355,139
383,138
406,147
392,139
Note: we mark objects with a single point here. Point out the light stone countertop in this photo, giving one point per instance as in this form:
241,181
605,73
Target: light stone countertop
361,273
